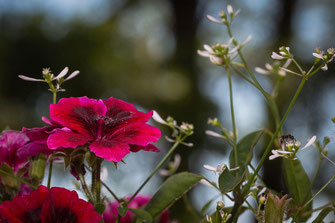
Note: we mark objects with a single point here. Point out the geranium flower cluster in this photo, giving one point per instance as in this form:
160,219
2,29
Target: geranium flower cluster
105,129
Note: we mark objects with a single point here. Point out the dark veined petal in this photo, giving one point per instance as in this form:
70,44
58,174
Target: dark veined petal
24,209
65,206
149,147
82,115
66,138
136,134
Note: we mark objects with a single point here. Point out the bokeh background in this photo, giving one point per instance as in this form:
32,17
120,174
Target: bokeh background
144,52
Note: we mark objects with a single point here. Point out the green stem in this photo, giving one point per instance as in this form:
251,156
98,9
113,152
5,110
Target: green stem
310,200
54,100
173,148
19,179
268,148
98,180
232,115
93,182
84,186
105,185
299,67
118,218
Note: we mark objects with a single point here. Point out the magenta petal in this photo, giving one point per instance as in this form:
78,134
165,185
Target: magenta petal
136,134
110,150
66,138
81,115
121,111
149,147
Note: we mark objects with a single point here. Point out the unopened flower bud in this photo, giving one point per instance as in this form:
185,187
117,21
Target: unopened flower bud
333,119
326,140
220,204
297,144
325,152
261,200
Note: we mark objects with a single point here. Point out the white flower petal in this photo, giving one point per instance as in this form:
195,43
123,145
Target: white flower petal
261,71
215,134
203,53
276,56
158,118
169,139
309,143
210,168
62,74
324,68
268,66
272,157
247,40
164,173
30,78
237,12
318,56
216,60
208,48
230,9
283,152
287,63
212,19
75,73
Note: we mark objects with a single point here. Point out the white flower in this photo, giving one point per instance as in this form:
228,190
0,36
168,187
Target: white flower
309,143
158,118
276,56
231,12
326,58
279,153
215,134
212,19
275,68
219,169
58,77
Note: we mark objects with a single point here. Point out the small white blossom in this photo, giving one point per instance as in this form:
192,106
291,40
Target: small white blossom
219,169
325,57
158,118
212,19
215,134
276,56
275,68
309,143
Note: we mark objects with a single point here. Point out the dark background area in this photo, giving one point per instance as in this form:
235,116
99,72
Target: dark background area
144,52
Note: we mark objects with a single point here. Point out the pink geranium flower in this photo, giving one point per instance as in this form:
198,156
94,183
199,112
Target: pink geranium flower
48,205
10,144
110,214
111,128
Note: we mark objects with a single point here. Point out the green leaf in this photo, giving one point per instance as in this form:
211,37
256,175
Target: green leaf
298,185
142,215
38,166
227,181
323,214
6,179
170,191
206,206
244,152
274,211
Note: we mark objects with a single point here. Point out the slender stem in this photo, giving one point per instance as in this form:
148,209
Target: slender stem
93,182
54,100
232,115
268,148
326,157
98,180
247,79
84,186
118,218
299,67
320,208
173,148
19,179
105,185
310,200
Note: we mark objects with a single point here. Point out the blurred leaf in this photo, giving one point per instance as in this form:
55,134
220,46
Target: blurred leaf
38,166
7,180
323,214
227,181
142,215
298,185
244,152
206,206
170,191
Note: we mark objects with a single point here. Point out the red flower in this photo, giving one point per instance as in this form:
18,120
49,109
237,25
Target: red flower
57,205
111,212
112,127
